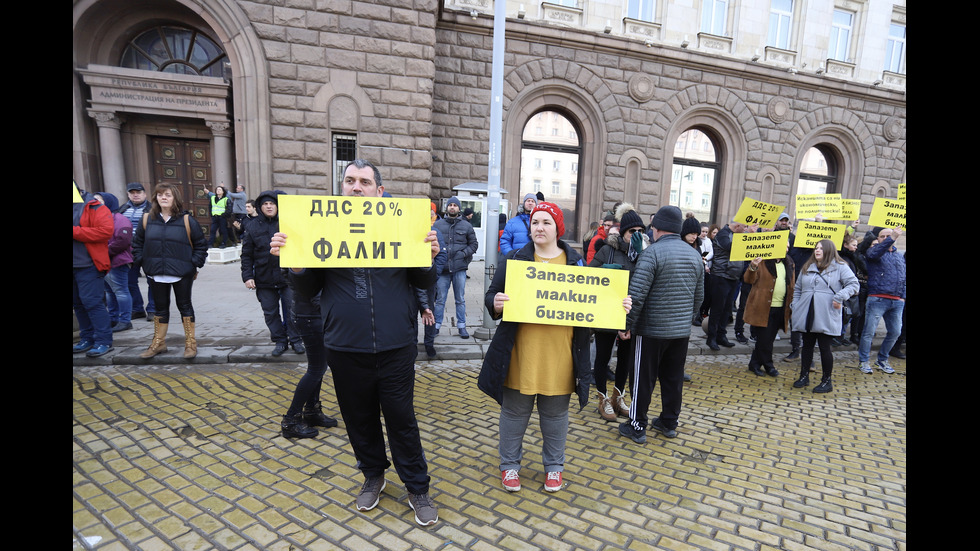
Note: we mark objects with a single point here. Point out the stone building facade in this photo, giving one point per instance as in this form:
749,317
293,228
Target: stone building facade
305,84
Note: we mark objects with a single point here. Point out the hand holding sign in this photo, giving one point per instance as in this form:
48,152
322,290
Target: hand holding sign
888,213
276,243
498,302
433,240
757,213
826,205
356,231
771,244
552,294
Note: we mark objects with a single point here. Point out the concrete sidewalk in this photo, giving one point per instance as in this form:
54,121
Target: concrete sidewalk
230,327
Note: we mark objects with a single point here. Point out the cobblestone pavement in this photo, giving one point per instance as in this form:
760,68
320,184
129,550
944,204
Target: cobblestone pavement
190,457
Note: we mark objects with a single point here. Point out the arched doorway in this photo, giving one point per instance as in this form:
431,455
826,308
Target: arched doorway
550,158
151,77
695,174
185,159
818,171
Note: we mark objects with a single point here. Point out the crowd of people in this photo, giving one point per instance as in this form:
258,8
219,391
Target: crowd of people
155,235
820,297
363,322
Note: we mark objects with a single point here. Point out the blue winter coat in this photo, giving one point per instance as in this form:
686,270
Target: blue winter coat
516,233
886,270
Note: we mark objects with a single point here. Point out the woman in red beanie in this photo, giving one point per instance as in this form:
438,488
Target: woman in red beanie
528,363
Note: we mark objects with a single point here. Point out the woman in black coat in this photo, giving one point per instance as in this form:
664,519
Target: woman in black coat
529,362
171,247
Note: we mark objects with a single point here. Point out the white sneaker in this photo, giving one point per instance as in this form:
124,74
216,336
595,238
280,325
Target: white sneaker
883,365
866,368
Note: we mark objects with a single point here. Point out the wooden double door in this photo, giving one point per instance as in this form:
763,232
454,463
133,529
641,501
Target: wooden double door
186,165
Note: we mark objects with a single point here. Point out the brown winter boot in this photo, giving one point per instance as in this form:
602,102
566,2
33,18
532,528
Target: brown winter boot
619,403
190,341
159,343
605,407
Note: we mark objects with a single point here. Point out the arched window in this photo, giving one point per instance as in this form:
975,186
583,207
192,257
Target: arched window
696,171
818,172
551,140
174,50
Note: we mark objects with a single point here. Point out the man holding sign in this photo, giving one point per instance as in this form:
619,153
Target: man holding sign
667,289
371,341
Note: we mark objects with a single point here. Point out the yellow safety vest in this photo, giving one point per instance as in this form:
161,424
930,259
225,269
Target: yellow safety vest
218,207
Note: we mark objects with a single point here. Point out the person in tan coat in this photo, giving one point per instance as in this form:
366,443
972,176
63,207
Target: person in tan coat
767,307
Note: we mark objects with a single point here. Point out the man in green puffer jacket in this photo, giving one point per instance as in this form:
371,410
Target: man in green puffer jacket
667,289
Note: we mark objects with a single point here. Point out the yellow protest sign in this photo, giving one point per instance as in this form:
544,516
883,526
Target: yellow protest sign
851,209
354,232
827,205
75,196
888,213
757,212
901,192
764,245
552,294
808,234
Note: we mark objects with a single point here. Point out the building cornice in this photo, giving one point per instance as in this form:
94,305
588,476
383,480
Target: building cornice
582,39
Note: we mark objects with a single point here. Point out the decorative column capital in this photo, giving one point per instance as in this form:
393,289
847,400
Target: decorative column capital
106,119
220,128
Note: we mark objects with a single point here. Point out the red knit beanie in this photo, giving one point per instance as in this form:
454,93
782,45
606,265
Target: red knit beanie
555,212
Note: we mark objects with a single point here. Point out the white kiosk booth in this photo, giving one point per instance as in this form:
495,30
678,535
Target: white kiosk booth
473,195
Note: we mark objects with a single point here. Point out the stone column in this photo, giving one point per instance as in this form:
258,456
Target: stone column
222,154
111,153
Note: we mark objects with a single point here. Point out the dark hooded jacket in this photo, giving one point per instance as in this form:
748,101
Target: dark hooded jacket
459,242
258,263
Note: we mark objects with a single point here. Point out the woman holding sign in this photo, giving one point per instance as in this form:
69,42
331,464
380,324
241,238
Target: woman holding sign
767,308
529,362
824,284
